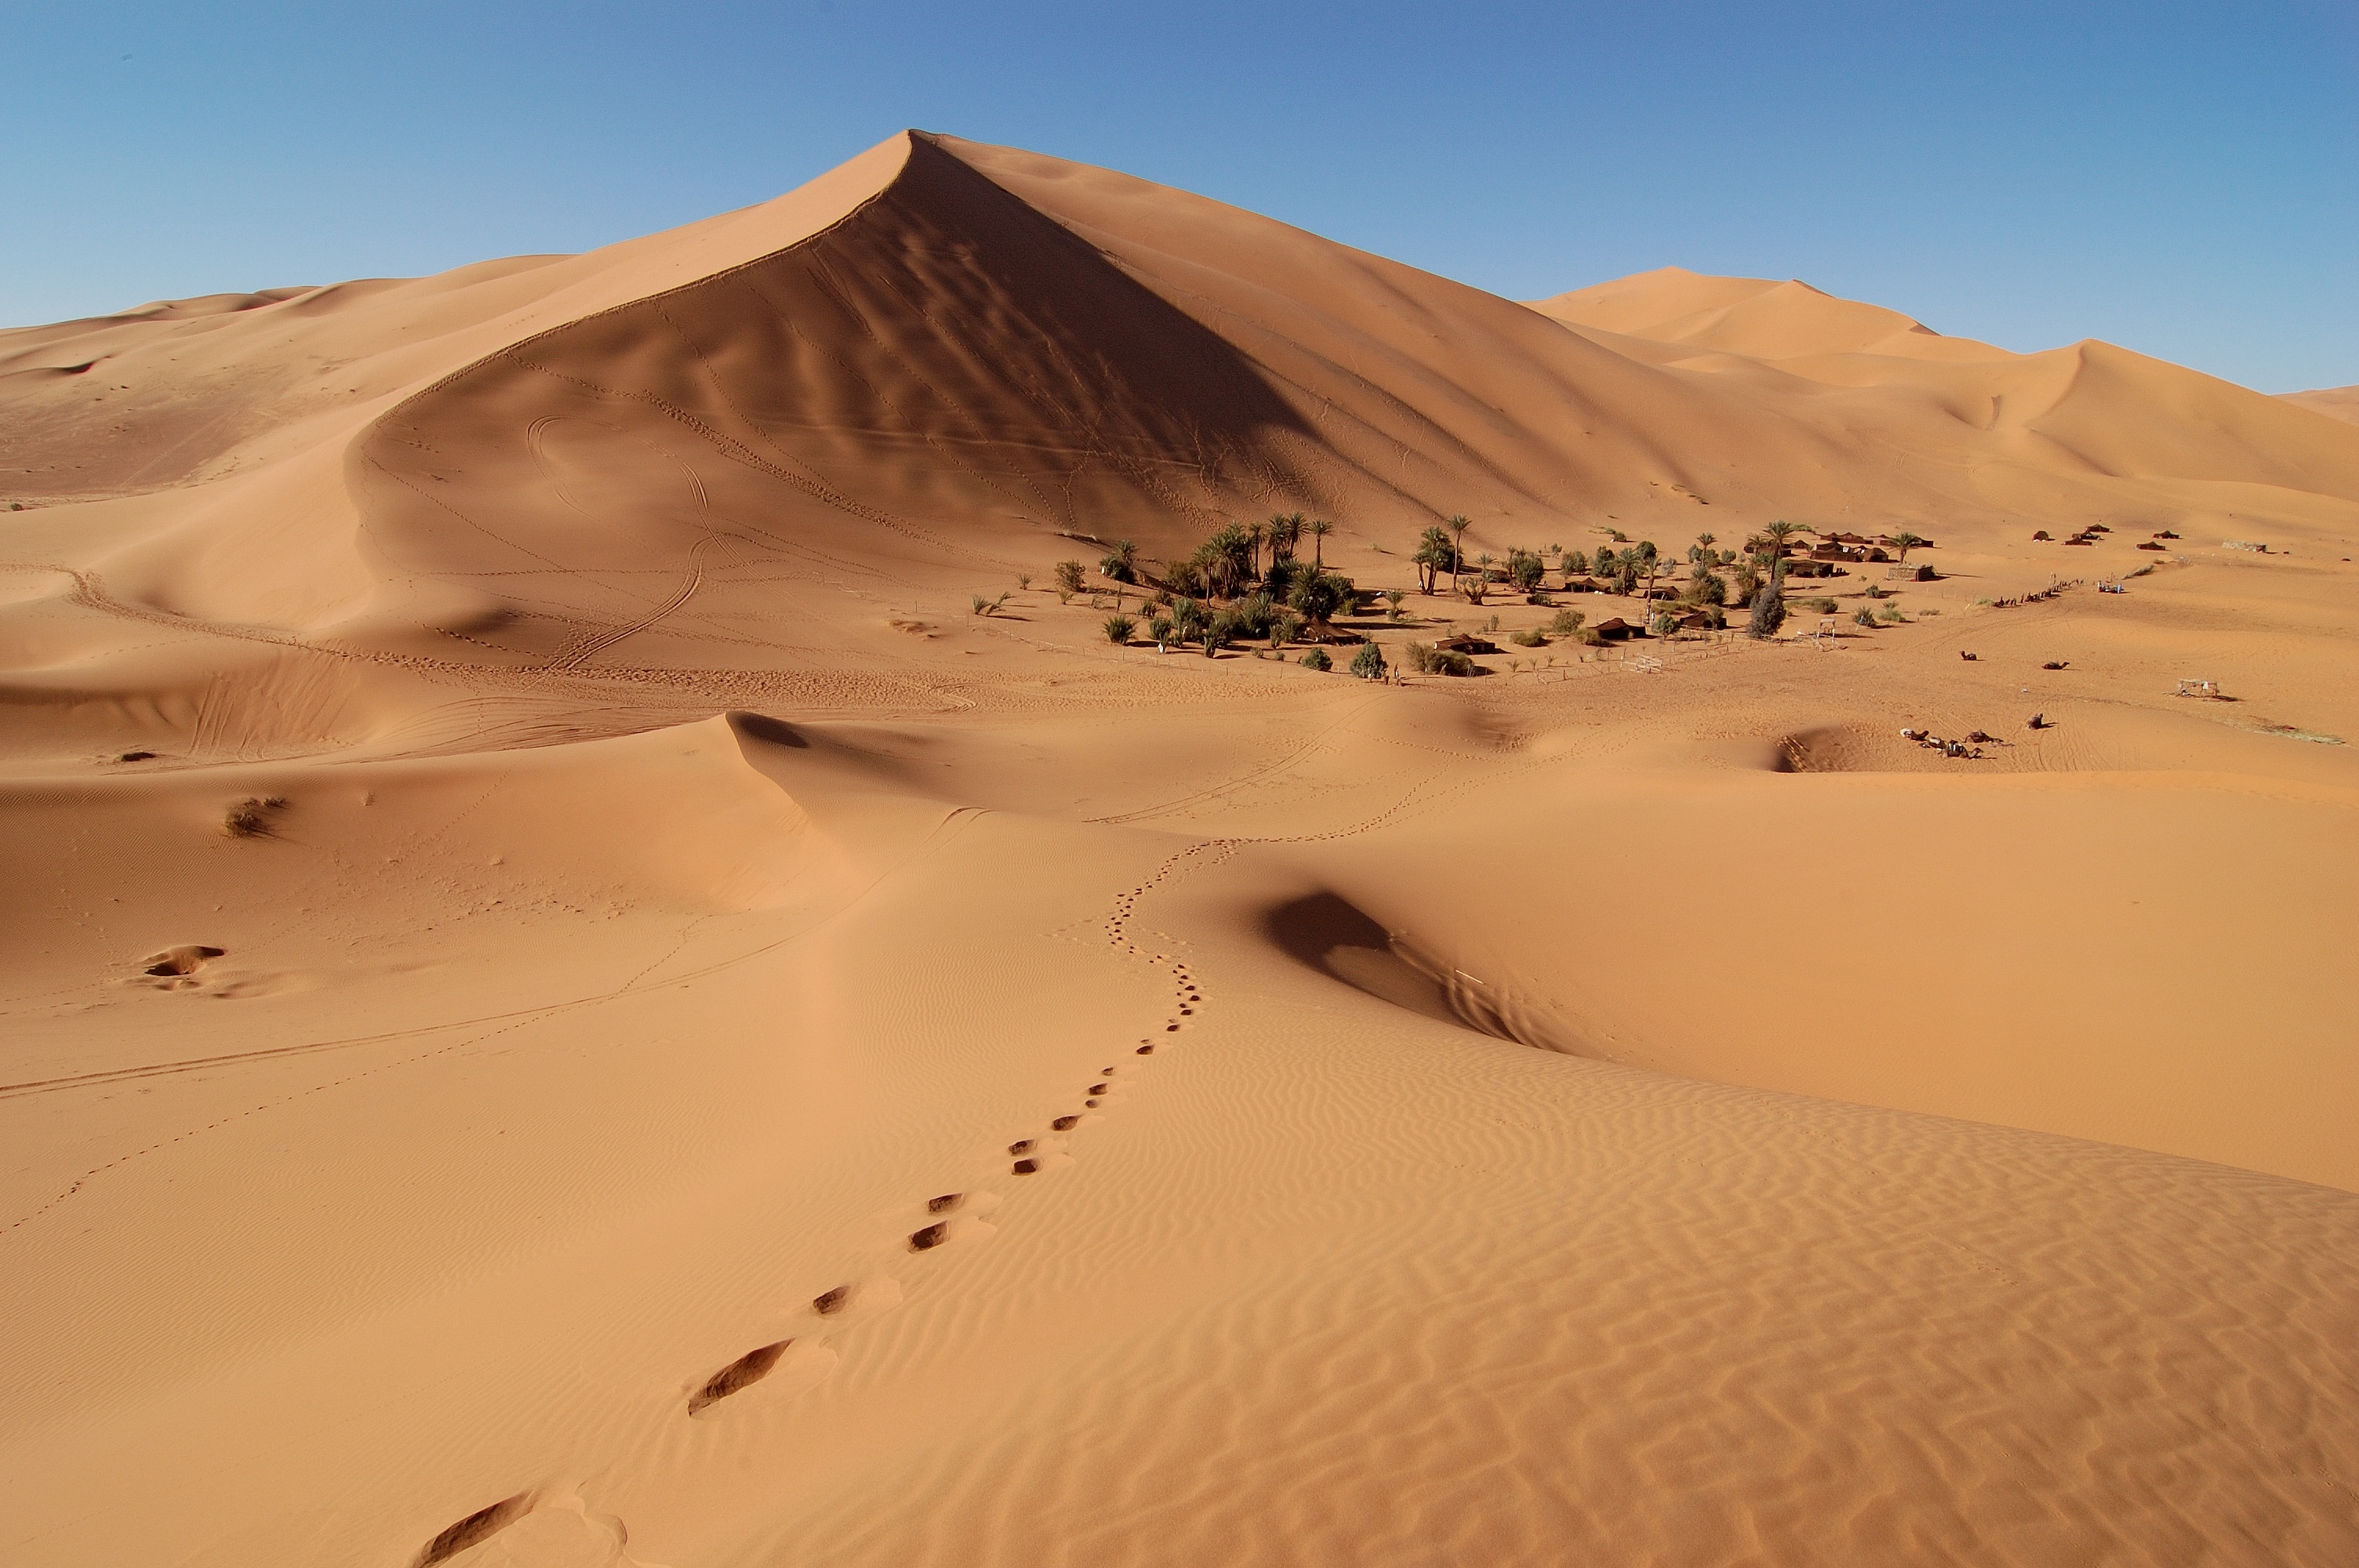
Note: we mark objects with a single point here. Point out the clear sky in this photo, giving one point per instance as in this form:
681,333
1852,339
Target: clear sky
2181,179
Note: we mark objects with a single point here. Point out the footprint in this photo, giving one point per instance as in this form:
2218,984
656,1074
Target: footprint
789,1366
738,1376
177,967
859,1301
479,1525
942,1233
1066,1123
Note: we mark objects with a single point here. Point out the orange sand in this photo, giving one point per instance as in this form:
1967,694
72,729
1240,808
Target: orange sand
712,1054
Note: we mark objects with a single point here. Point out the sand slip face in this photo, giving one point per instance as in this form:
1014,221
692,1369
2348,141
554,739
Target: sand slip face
572,1000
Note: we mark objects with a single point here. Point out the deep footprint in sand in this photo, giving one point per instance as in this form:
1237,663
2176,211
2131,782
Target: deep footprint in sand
781,1369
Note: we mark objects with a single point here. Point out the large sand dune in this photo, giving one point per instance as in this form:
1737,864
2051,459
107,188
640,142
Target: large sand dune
569,1003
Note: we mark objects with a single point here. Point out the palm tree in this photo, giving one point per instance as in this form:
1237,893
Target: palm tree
1255,534
1434,551
1651,563
1905,542
1285,533
1780,534
1319,528
1457,526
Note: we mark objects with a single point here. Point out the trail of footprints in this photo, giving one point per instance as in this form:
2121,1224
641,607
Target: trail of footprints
1030,1156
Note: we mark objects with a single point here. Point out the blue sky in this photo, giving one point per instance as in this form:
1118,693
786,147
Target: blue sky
2181,179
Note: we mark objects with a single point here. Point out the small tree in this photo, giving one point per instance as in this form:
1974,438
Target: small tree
1743,581
1318,595
1567,623
1435,555
1780,537
1575,564
1285,533
1069,578
1524,570
1368,663
1188,619
1317,659
1319,528
1121,563
1118,629
1905,542
1770,605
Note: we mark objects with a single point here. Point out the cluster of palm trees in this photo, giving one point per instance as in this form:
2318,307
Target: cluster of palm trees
1224,592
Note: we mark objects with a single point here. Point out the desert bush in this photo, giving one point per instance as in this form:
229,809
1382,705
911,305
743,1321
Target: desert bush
1254,615
1525,568
1185,578
1316,596
1393,597
978,605
250,818
1161,630
1024,581
1863,616
1529,637
1706,587
1317,659
1068,576
1874,592
1118,629
1419,656
1575,563
1567,623
1664,624
1892,612
1743,582
1768,610
1822,606
1368,663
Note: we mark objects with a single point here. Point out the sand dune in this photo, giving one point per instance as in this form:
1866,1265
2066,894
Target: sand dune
572,1003
2337,402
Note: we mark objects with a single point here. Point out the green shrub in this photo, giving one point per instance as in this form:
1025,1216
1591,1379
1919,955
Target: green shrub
1864,616
1368,663
1822,606
1161,630
1068,576
1118,629
1317,659
1567,623
1529,637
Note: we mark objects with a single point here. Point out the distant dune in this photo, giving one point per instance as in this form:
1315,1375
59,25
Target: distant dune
2337,402
628,952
